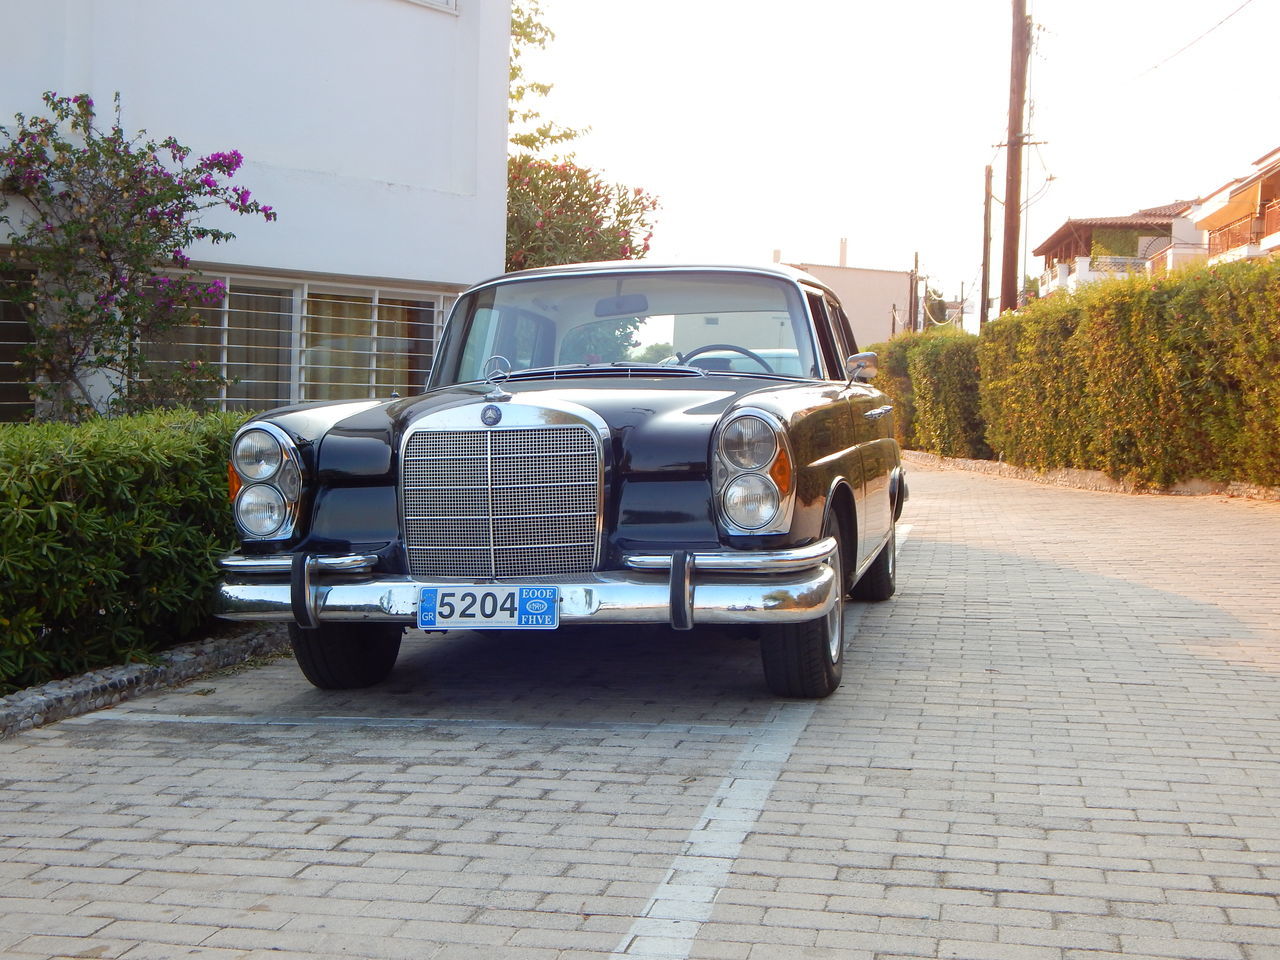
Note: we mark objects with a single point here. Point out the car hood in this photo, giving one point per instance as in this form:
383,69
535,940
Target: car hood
657,426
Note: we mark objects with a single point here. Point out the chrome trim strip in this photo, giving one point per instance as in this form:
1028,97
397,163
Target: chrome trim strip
618,597
248,565
755,561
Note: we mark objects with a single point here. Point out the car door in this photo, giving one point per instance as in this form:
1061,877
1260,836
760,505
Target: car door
869,411
857,401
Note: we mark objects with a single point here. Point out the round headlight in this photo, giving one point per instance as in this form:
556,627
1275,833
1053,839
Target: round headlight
290,481
260,510
750,501
257,455
748,443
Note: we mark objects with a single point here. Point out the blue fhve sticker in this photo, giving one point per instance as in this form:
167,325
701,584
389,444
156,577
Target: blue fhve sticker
489,608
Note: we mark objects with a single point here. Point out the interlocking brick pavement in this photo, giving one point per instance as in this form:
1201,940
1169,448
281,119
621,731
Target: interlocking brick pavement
1058,742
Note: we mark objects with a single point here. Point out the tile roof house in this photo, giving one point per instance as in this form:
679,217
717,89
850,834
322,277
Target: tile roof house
1094,248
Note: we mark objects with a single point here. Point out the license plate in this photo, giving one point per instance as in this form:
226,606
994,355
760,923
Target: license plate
489,608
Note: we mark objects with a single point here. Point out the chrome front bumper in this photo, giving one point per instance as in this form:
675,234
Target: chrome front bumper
682,589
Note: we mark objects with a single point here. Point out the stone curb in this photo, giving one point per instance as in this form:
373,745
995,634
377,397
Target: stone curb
1091,479
60,699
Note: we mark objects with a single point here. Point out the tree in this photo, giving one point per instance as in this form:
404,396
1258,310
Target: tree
527,129
558,211
653,353
104,222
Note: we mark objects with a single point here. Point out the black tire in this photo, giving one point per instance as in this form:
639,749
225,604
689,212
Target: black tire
806,660
881,579
345,656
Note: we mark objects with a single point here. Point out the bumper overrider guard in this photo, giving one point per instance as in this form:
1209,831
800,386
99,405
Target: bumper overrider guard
680,589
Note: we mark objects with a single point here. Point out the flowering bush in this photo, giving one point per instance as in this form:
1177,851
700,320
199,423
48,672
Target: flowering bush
104,223
559,212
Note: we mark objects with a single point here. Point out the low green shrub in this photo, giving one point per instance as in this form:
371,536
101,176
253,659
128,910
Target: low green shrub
932,378
895,380
944,378
108,535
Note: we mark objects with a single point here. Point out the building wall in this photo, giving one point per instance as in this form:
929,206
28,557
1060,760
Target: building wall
869,298
376,128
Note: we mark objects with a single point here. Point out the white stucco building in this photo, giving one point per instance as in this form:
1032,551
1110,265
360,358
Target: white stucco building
877,301
376,129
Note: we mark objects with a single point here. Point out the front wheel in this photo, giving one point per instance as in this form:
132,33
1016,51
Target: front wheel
345,656
806,660
881,579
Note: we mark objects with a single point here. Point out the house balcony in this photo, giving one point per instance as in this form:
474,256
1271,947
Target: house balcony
1238,240
1175,255
1270,239
1069,275
1271,218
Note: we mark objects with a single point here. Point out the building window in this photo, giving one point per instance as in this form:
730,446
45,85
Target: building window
279,344
357,346
259,323
15,334
449,6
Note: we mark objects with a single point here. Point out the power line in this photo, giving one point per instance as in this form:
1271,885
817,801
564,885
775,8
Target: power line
1197,39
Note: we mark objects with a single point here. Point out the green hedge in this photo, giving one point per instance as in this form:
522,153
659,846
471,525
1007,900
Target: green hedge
932,378
894,378
108,533
1149,380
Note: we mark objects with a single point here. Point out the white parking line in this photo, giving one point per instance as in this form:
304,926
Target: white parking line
671,919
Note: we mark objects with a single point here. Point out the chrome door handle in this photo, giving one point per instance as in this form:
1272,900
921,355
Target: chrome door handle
878,412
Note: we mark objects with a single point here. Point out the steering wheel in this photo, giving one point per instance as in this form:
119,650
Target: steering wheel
697,351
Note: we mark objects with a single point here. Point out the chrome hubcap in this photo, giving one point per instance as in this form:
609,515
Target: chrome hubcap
835,618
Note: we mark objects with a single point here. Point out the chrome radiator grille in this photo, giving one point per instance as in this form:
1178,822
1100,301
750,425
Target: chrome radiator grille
518,502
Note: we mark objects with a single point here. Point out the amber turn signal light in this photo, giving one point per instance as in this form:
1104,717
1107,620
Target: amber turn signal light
780,471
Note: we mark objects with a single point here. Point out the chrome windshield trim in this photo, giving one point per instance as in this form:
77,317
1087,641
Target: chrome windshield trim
754,561
278,563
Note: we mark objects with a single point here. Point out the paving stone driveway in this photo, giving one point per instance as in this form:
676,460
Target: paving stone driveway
1058,741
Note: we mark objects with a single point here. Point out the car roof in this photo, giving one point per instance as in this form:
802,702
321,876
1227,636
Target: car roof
780,270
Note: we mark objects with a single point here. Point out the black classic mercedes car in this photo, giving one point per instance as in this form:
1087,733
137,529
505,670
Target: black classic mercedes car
603,443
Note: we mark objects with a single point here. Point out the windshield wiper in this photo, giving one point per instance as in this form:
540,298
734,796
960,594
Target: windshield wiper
615,368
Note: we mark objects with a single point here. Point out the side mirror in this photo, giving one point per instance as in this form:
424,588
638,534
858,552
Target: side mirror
861,367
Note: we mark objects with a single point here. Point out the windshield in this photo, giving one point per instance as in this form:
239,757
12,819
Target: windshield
719,322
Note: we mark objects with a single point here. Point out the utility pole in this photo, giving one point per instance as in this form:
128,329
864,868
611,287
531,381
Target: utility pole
914,304
960,317
984,290
1021,51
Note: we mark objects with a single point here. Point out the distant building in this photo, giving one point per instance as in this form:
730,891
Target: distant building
1094,248
878,302
377,130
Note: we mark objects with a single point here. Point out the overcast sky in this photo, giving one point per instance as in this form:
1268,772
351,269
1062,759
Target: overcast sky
768,125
